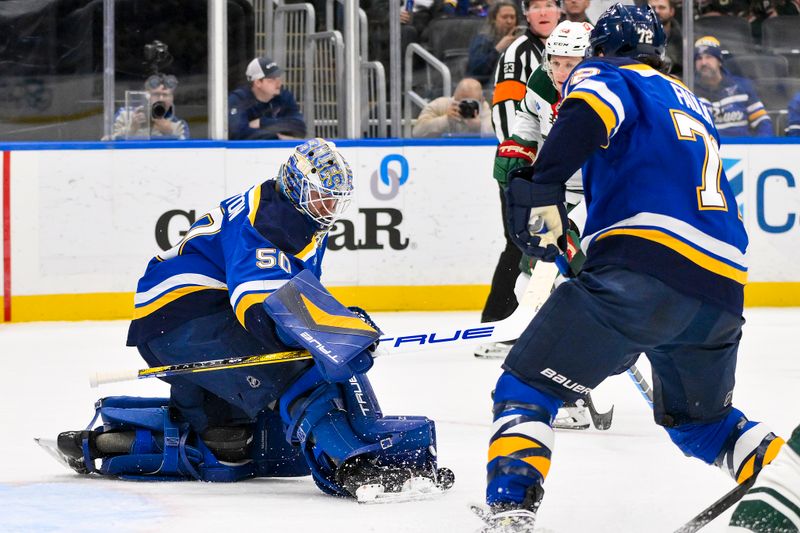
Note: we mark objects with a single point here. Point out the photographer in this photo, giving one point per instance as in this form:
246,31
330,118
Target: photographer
156,120
466,113
160,118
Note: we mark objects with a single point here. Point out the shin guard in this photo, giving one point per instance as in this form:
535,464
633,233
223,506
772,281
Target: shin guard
521,443
739,446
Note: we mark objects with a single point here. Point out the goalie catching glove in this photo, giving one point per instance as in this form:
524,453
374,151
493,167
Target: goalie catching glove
512,154
536,215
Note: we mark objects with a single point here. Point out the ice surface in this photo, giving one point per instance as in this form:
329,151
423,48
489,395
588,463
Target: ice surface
628,479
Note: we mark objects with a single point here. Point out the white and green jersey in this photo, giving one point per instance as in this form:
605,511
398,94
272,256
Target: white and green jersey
535,115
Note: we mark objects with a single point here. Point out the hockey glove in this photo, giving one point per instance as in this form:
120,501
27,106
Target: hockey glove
512,154
536,215
363,315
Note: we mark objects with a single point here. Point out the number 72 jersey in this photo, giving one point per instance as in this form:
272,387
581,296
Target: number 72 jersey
657,196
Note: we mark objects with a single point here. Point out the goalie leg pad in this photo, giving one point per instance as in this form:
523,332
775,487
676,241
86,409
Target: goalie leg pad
157,447
739,446
521,442
346,440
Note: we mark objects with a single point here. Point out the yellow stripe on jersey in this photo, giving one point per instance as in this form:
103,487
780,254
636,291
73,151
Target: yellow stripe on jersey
141,312
602,109
255,199
247,301
323,318
647,71
756,114
692,254
308,251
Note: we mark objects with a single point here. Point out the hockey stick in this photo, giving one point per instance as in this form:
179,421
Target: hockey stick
537,291
99,378
717,508
641,384
510,328
601,421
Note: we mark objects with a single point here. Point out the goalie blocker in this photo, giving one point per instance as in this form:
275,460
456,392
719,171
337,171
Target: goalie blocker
325,422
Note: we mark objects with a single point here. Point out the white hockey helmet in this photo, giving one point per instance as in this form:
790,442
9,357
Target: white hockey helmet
569,39
318,181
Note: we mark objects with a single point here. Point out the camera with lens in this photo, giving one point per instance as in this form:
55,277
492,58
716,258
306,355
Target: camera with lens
469,108
158,110
156,55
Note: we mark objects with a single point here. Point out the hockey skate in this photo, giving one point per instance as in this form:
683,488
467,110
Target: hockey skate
572,415
494,350
511,517
67,448
371,483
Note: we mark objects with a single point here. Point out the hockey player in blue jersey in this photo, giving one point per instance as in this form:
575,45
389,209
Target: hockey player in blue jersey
244,281
664,274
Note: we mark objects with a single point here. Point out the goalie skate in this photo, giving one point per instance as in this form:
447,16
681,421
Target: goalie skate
494,350
370,483
414,489
51,447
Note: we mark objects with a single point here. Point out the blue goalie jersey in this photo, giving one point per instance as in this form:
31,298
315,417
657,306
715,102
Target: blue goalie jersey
232,258
657,197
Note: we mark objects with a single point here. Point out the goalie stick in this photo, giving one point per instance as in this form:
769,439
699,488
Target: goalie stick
717,508
99,378
536,293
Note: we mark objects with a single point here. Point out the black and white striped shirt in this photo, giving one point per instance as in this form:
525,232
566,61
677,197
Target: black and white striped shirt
516,64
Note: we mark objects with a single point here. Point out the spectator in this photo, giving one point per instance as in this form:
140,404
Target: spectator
665,9
793,128
161,119
732,100
721,8
575,10
465,113
485,48
264,109
761,10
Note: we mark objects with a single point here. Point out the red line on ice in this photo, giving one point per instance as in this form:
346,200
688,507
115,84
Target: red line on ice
7,236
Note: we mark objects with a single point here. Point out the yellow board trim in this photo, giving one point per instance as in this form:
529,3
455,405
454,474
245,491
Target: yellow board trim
505,446
692,254
323,318
602,109
118,305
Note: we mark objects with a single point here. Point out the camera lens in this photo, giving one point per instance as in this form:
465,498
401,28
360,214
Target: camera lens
469,108
158,110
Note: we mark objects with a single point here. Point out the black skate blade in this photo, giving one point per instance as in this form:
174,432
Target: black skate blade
51,447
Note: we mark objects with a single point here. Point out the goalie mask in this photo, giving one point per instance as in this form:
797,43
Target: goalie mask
318,181
569,39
